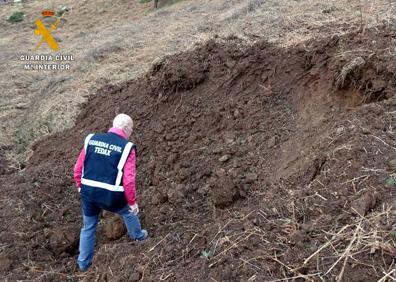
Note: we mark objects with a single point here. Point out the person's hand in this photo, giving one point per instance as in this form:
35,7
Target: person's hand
79,189
134,209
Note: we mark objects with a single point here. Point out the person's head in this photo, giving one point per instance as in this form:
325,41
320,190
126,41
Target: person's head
124,122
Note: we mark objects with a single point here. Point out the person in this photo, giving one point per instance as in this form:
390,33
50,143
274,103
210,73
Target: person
105,177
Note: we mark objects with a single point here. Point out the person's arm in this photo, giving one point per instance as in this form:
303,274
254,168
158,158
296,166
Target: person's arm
129,178
78,167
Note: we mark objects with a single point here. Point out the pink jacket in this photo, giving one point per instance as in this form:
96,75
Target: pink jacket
128,178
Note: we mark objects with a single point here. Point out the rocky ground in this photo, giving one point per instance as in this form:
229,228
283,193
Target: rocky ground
255,163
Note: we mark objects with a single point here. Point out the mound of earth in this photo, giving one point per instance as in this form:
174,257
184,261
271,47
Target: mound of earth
255,163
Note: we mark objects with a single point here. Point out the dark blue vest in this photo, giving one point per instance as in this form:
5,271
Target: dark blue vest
101,181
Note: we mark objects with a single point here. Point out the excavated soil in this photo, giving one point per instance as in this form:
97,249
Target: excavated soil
255,163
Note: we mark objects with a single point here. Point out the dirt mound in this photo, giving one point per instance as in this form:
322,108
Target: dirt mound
255,163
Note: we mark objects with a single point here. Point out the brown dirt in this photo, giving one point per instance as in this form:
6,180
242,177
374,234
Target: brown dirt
250,160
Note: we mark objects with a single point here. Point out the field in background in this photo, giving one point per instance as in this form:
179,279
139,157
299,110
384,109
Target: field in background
118,40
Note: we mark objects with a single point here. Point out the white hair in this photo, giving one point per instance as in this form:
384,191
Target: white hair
122,121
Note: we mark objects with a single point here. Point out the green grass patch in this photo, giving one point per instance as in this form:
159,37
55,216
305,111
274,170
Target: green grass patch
16,17
390,181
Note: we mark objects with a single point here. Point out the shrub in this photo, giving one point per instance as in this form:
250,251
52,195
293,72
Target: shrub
16,17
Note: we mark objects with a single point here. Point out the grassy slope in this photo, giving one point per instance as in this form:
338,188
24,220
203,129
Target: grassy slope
118,40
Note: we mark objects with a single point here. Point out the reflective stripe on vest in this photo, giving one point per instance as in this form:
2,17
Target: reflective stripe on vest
87,141
120,166
85,147
103,185
122,161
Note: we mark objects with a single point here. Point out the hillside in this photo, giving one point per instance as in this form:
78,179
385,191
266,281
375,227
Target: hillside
266,152
118,41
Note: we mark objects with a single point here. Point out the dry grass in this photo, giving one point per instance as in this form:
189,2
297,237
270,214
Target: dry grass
364,236
349,68
338,248
118,40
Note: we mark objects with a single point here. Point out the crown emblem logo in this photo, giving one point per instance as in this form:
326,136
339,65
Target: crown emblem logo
48,13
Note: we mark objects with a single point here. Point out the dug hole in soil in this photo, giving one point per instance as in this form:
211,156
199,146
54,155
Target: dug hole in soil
254,163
